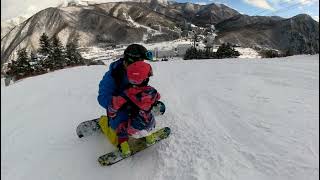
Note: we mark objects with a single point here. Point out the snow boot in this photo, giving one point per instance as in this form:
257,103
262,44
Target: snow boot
150,139
125,149
108,131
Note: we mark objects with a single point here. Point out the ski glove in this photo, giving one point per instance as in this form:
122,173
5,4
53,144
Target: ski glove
116,103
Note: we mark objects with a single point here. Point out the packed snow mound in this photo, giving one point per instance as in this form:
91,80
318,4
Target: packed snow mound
230,119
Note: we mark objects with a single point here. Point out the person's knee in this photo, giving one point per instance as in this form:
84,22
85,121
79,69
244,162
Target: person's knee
121,117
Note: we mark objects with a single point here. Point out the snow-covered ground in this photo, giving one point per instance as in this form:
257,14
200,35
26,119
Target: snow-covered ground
247,53
98,53
230,119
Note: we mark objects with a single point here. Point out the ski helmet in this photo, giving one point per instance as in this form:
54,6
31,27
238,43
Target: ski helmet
136,52
138,72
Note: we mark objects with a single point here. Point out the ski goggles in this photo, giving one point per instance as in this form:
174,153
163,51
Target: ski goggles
149,55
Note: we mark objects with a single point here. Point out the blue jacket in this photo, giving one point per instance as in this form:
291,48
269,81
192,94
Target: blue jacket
109,88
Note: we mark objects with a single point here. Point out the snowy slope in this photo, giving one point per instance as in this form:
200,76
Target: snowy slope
231,119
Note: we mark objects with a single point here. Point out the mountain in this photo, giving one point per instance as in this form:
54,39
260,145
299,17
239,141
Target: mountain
115,22
297,35
230,120
159,20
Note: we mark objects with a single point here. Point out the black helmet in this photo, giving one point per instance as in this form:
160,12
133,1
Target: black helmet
136,52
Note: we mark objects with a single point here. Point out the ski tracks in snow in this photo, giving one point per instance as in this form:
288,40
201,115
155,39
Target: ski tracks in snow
239,126
230,120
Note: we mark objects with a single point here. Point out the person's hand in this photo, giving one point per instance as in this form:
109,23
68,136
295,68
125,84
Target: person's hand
116,103
111,112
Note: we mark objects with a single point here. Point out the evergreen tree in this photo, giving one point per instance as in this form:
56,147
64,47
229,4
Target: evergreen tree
191,53
227,51
35,63
73,56
22,66
46,62
33,56
11,72
57,54
45,46
45,52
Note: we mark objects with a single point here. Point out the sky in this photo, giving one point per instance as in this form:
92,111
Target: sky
284,8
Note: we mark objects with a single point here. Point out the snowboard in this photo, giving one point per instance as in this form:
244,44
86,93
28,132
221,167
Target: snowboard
136,145
91,127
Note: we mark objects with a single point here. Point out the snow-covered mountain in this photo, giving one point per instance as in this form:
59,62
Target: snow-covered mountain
108,23
160,20
230,119
296,35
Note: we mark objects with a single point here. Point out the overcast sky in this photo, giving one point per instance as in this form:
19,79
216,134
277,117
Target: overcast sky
14,8
284,8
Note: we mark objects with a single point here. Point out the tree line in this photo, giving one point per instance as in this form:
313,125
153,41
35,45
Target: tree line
224,51
50,56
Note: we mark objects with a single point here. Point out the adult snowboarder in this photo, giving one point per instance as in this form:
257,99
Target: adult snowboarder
127,98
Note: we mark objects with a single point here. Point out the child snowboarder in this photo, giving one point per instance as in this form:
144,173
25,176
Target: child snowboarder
138,99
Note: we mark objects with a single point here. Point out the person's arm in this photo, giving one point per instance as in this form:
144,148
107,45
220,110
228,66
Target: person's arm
106,89
143,97
116,103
